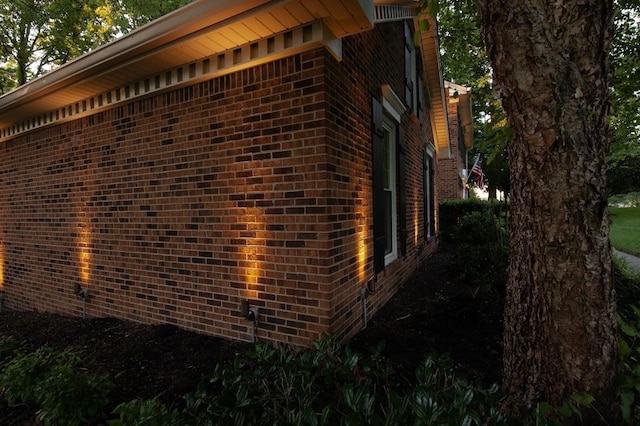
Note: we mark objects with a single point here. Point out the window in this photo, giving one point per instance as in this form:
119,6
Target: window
388,165
389,195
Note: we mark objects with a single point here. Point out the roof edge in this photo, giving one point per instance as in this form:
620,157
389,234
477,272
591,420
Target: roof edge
164,30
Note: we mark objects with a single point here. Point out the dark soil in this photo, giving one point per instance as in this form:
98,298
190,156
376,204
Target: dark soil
433,312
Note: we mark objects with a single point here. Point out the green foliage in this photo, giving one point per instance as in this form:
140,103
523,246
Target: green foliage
625,99
482,268
132,14
623,175
151,412
628,294
276,383
9,350
479,242
38,35
444,398
327,384
23,377
631,199
451,212
55,381
625,229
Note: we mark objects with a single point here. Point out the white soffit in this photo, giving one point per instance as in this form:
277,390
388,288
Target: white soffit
434,82
199,41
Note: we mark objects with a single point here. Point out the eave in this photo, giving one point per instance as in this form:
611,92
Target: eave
434,83
200,40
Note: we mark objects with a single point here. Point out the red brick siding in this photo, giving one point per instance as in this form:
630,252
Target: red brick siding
175,208
178,196
370,60
450,186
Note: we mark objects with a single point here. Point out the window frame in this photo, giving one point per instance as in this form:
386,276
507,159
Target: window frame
389,109
391,125
429,191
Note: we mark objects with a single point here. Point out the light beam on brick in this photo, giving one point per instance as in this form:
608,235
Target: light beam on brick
84,253
1,266
415,222
361,238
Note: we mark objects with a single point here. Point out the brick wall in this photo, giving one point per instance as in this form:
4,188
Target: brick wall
176,208
370,60
449,183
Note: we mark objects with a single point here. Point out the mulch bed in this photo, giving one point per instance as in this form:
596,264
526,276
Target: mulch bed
431,313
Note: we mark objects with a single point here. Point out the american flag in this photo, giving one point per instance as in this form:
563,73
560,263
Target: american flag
477,171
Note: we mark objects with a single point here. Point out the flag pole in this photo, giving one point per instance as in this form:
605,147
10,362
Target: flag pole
475,163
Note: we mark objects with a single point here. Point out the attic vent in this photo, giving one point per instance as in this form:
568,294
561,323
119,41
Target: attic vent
389,12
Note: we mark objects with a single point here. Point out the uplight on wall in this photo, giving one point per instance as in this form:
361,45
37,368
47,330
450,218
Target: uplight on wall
362,227
415,223
84,254
1,267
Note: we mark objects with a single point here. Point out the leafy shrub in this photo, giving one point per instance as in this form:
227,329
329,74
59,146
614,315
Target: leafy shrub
23,377
9,350
480,252
151,412
482,268
273,384
627,285
327,384
56,383
631,199
452,212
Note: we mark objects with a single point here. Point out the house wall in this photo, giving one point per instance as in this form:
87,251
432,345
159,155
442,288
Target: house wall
370,60
450,185
176,208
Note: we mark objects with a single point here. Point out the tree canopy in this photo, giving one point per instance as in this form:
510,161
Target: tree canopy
465,62
38,35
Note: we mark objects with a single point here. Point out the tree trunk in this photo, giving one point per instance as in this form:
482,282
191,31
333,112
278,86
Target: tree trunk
551,69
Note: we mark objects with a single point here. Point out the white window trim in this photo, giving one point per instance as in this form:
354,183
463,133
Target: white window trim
393,108
392,104
391,126
429,214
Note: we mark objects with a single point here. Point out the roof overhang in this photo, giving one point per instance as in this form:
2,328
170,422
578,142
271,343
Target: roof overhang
205,39
198,41
434,82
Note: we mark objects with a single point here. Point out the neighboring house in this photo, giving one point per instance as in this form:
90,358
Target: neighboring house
278,155
453,168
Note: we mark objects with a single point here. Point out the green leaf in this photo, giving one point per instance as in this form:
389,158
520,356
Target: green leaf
625,350
544,408
626,400
626,328
583,399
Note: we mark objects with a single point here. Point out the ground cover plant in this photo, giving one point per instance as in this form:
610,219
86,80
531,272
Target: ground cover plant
625,229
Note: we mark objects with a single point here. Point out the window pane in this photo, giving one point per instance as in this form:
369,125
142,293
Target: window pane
388,218
386,154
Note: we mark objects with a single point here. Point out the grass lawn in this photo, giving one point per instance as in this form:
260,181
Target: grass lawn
625,229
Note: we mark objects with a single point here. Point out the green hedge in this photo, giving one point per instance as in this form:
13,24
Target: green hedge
452,212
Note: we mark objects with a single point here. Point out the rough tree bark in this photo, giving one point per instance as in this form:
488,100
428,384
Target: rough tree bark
551,69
